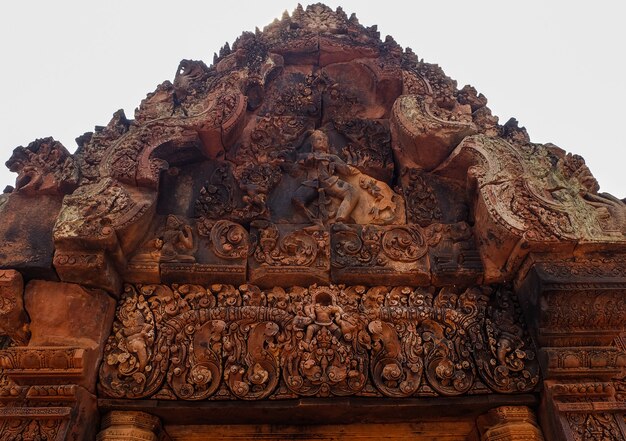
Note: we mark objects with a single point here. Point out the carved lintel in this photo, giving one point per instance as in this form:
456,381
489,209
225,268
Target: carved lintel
13,317
509,423
248,343
130,426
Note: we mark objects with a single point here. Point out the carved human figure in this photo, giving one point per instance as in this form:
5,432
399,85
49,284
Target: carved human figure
177,241
324,178
322,313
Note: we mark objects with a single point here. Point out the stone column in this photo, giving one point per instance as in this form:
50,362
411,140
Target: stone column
509,423
130,426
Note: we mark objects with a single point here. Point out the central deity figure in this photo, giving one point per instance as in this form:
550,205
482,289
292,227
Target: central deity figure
324,173
342,192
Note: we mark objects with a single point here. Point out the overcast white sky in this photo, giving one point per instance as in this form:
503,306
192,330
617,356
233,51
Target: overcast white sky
557,66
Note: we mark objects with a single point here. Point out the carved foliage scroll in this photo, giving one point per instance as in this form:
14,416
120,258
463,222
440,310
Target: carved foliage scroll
193,343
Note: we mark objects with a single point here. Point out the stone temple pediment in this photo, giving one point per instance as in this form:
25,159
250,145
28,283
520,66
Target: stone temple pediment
316,214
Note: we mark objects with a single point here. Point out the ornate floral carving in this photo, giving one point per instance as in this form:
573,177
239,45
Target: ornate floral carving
230,240
422,206
594,426
368,147
604,309
302,247
216,199
366,253
302,98
195,343
275,136
30,429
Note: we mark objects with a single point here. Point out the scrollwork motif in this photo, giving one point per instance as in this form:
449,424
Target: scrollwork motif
193,343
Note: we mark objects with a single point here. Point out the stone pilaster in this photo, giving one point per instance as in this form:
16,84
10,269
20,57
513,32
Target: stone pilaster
509,423
576,311
130,426
47,384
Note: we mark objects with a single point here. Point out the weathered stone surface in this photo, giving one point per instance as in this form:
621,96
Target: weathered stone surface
26,233
67,314
68,327
13,317
44,167
318,213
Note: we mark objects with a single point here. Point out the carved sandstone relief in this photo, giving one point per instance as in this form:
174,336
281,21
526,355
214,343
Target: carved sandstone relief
220,342
318,213
314,120
533,198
